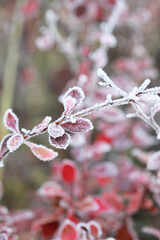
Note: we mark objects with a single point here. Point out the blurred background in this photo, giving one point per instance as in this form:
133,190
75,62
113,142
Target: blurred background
32,76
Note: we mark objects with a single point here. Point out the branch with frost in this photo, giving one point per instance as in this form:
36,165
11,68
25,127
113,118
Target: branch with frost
72,121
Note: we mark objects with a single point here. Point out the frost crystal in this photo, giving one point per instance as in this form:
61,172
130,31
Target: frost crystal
55,130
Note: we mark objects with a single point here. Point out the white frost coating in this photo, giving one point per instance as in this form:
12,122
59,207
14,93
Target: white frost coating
40,127
51,17
144,85
131,115
25,131
55,130
109,82
1,164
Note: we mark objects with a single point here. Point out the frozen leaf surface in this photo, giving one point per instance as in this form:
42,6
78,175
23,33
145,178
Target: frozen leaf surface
51,190
11,121
60,142
14,142
3,146
55,130
73,97
40,127
68,231
41,152
81,125
69,104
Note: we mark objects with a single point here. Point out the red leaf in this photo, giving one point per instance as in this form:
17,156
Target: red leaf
89,204
107,169
49,229
73,97
135,202
114,201
14,142
68,171
126,232
55,130
68,231
47,225
69,104
40,127
11,121
60,142
52,190
41,152
3,145
81,125
95,229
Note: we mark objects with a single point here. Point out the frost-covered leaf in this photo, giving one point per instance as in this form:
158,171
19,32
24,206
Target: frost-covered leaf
40,127
68,231
155,109
89,204
69,104
73,97
52,190
68,171
11,121
135,200
153,231
60,142
107,169
41,152
55,130
154,161
47,225
3,145
95,229
14,142
81,125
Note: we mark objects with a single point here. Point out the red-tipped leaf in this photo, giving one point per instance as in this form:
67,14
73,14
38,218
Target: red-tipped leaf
41,152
